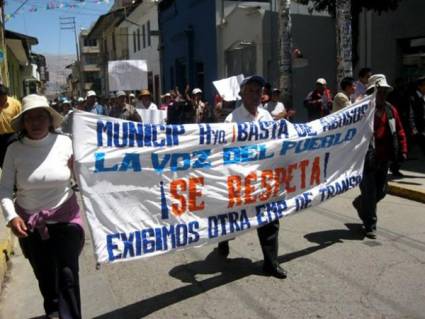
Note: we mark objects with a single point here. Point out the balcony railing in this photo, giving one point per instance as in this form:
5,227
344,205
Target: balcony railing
91,68
95,49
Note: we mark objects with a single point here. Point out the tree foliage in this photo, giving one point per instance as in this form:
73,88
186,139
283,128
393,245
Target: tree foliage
356,5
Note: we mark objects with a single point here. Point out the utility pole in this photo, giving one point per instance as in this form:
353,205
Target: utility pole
285,50
68,23
4,75
344,39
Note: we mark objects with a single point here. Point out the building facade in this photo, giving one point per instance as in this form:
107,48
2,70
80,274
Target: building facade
393,42
143,41
188,44
90,60
27,71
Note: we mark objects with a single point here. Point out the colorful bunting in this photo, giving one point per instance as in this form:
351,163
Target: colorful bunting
53,5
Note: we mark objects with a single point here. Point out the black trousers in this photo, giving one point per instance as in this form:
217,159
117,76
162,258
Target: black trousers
269,241
5,140
55,265
373,188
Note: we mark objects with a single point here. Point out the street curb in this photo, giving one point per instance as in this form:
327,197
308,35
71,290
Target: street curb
6,250
406,192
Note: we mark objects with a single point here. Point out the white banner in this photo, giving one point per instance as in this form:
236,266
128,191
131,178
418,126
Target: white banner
127,75
152,116
229,88
152,189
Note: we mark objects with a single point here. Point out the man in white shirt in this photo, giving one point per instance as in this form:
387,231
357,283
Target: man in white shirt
275,107
145,101
251,110
92,105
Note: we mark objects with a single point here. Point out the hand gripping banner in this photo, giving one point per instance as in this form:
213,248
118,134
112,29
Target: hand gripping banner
151,189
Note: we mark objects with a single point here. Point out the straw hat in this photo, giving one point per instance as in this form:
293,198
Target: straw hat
145,92
34,101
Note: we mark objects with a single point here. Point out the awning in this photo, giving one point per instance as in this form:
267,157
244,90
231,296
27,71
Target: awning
19,50
20,45
19,36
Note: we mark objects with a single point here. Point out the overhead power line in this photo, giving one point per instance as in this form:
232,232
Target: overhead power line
19,8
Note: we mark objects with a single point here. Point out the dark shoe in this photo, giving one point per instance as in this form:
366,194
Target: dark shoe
53,315
223,248
397,174
371,234
276,271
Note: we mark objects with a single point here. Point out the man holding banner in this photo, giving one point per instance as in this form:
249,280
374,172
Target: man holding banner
389,141
250,111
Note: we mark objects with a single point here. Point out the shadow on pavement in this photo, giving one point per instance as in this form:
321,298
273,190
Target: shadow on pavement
225,271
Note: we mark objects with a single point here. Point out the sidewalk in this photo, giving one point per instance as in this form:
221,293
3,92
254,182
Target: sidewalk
412,184
6,249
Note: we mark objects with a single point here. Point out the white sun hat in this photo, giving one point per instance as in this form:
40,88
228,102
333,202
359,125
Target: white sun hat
35,101
378,81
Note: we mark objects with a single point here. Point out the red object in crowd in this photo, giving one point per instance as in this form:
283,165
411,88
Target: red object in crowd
383,139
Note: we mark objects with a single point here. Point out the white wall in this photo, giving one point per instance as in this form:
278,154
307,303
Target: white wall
147,11
243,24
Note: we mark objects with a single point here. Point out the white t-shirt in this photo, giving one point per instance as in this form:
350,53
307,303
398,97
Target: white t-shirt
241,114
40,169
152,106
275,108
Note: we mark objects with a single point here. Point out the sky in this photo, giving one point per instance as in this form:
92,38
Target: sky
35,19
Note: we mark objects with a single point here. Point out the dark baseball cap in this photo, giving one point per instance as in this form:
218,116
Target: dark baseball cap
253,79
4,90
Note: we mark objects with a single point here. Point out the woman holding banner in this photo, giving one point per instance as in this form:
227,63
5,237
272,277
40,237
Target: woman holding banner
45,215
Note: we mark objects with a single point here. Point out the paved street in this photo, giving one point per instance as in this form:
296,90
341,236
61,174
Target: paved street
333,273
